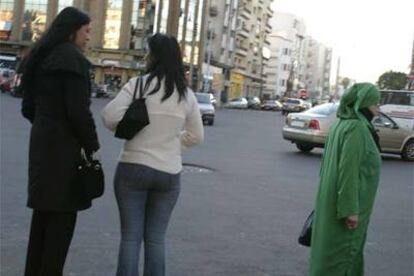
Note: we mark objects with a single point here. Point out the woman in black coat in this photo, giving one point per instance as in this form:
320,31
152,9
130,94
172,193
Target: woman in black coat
56,100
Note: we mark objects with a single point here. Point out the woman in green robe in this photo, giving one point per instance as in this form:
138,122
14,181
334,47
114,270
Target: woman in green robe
349,179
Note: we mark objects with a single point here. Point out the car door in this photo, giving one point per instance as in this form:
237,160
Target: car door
391,136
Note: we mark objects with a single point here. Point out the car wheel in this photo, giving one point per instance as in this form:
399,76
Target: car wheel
408,151
211,122
304,147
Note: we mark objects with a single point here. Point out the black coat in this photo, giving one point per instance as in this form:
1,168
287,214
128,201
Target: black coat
57,105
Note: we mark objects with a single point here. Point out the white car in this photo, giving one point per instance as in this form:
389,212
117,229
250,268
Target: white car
240,103
207,109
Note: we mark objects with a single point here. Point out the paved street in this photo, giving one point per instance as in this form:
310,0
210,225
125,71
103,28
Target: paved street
242,219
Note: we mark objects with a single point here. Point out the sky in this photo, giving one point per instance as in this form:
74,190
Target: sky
370,37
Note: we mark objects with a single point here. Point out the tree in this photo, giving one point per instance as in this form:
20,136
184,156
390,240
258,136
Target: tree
345,82
392,80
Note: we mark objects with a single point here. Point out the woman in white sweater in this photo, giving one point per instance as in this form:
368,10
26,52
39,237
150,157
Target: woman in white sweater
147,179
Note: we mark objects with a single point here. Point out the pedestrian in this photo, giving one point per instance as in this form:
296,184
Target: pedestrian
56,101
147,179
349,179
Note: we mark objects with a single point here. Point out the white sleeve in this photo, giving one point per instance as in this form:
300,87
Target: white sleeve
193,132
114,111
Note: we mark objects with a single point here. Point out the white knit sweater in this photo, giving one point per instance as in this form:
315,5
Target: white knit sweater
172,125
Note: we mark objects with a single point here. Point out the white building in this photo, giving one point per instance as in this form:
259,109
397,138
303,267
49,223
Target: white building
317,71
287,55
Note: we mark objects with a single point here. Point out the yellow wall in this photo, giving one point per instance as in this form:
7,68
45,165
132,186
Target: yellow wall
236,85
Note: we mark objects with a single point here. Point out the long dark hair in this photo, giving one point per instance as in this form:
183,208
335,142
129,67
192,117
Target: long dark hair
62,29
165,61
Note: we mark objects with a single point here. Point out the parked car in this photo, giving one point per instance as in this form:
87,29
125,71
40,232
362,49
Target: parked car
207,109
309,129
240,103
272,105
294,105
253,102
98,91
213,100
6,79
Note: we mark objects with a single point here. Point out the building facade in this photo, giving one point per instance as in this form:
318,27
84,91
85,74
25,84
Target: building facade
119,29
220,37
285,69
318,68
411,75
252,39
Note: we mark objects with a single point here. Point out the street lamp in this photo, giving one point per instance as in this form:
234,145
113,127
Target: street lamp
207,78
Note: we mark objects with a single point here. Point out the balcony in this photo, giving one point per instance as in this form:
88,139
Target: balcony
213,11
241,51
245,14
244,32
269,11
247,10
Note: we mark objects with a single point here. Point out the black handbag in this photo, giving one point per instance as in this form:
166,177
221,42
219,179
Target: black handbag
90,178
135,118
306,233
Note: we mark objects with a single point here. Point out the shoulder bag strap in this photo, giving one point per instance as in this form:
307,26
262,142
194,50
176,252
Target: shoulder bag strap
140,88
135,89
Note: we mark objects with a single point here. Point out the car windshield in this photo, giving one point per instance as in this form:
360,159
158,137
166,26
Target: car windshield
293,101
203,98
324,109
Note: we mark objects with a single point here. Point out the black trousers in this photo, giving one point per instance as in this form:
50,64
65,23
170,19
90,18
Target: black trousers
50,237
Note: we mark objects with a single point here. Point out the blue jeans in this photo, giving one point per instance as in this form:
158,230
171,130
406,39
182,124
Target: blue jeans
146,198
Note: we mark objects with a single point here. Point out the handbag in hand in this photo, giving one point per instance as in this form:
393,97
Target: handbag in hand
135,118
91,178
306,233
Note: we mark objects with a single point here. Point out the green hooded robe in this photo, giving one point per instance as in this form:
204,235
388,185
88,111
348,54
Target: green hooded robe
349,179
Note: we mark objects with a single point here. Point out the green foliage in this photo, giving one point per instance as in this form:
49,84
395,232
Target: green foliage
392,80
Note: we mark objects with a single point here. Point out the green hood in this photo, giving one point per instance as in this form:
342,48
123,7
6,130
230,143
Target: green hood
360,95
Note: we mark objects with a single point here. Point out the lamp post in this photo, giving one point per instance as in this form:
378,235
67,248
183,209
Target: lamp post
207,78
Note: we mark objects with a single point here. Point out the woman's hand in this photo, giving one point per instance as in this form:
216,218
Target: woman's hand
352,222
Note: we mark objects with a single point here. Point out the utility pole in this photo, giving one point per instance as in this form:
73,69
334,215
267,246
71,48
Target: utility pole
207,79
173,17
337,78
193,42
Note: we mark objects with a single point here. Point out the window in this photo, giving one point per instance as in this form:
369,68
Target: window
6,16
34,19
324,109
113,24
63,4
398,98
141,26
383,121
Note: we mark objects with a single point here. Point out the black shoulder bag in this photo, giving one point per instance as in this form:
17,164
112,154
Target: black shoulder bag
306,233
135,118
90,177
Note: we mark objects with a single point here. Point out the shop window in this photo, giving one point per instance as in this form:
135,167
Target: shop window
34,19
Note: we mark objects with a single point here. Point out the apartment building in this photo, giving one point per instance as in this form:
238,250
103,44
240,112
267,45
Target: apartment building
287,59
252,39
220,46
318,67
119,29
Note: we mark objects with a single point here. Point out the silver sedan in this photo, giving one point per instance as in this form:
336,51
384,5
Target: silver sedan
309,129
